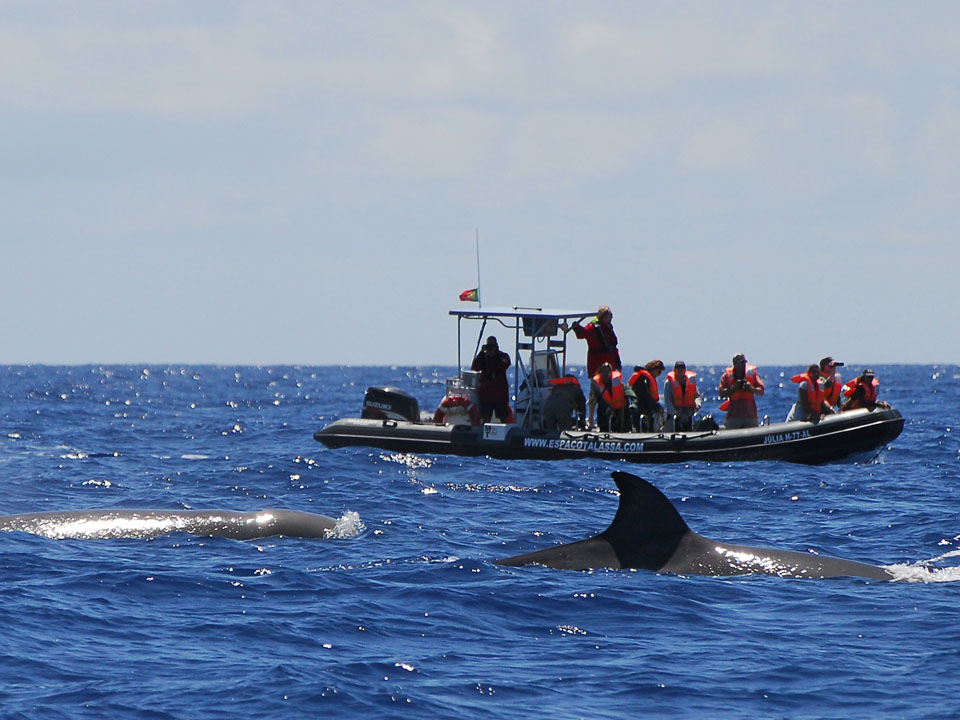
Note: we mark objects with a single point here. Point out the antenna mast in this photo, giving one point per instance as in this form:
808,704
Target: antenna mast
479,293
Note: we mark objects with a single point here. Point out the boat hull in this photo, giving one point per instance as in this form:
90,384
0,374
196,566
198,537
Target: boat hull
860,433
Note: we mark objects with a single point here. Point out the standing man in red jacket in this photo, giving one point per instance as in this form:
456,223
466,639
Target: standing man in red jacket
601,346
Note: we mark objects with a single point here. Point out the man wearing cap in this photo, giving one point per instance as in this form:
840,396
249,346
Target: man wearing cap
830,381
862,392
493,389
738,385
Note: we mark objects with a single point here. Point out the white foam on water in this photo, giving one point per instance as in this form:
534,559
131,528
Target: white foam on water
926,570
348,526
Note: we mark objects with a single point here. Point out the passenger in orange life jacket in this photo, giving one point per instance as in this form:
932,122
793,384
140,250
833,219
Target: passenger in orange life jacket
681,397
810,404
739,384
830,381
643,395
862,392
606,388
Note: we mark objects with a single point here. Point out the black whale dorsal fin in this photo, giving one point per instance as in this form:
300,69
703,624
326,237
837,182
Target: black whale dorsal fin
647,528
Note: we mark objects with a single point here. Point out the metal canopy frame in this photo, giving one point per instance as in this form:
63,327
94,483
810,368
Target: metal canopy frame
533,328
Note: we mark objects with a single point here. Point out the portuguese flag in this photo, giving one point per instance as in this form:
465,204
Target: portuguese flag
470,295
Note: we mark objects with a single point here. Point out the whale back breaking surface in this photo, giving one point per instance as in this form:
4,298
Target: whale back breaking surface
649,533
130,523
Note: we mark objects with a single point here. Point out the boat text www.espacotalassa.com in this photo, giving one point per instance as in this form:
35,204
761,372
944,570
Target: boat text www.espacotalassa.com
582,445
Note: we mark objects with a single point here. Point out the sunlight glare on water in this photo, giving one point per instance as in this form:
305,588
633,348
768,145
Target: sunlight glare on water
406,609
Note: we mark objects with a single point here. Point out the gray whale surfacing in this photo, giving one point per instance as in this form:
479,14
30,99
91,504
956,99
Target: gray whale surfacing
124,523
649,533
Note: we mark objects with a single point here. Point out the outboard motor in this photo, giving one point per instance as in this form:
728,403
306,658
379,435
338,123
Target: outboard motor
390,403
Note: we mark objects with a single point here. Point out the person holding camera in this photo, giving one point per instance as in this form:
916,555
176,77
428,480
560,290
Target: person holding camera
740,385
861,392
831,381
493,390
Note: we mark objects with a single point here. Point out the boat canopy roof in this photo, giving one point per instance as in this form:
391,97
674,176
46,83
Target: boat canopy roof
531,322
540,331
519,311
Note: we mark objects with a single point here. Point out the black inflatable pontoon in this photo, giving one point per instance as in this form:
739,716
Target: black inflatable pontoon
391,419
861,433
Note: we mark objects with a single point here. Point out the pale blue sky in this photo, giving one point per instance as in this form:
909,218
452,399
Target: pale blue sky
301,182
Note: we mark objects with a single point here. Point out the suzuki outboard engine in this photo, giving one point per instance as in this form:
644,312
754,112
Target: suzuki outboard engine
390,403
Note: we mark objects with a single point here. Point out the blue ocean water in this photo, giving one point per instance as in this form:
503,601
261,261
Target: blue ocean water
405,615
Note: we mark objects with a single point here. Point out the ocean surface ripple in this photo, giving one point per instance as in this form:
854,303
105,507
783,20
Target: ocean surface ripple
404,612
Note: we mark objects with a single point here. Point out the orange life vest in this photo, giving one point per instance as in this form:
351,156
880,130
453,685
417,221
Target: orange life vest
654,390
814,392
832,390
684,398
613,396
869,393
750,375
459,407
727,380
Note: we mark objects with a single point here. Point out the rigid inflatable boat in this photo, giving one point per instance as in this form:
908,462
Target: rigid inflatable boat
391,418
